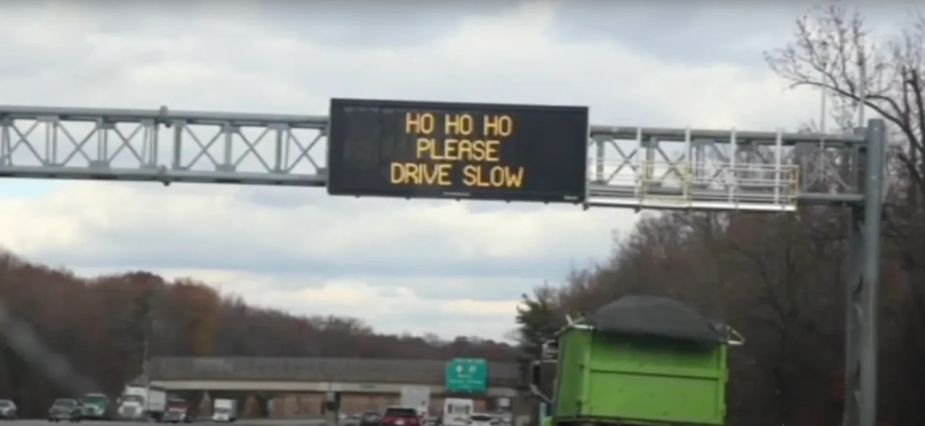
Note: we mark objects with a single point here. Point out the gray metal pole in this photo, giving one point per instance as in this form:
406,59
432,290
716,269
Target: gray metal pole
852,313
853,320
873,207
863,287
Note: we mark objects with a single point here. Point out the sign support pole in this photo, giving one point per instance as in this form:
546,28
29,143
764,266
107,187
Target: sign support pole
863,287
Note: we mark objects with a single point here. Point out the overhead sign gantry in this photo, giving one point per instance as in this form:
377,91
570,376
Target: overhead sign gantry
415,149
541,159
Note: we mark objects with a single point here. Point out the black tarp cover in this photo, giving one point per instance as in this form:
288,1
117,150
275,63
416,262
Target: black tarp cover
656,316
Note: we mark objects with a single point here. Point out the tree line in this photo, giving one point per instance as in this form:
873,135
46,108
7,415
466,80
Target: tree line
62,335
780,279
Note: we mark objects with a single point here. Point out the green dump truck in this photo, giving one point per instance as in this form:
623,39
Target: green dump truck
640,360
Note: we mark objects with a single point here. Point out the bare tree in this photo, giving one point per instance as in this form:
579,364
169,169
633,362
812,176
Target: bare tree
832,50
98,328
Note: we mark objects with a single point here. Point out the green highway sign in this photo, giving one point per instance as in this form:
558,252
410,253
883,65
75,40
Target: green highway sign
467,375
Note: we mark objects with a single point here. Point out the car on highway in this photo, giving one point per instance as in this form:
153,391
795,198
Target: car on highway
481,419
370,418
7,409
504,417
400,416
65,409
177,411
352,419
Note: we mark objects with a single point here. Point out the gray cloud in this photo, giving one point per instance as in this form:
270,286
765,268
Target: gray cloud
694,32
233,232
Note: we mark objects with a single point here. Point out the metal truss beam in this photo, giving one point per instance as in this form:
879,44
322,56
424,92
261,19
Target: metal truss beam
162,145
720,169
743,137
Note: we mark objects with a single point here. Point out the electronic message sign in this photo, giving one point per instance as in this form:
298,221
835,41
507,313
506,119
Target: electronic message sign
457,150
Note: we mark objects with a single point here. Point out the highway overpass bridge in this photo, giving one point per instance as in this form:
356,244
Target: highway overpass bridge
287,387
276,374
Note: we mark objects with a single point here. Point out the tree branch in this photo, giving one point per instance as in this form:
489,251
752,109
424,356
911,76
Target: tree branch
912,168
915,84
770,295
879,109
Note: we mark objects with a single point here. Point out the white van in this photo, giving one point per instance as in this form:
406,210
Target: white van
456,411
225,410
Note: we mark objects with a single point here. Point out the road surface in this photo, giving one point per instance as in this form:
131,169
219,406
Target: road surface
241,422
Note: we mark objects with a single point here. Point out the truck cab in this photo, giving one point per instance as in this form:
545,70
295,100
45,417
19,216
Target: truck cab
131,406
139,402
95,406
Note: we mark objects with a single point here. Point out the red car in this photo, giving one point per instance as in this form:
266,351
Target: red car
400,416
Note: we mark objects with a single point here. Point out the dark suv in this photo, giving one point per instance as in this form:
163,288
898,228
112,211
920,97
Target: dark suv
65,409
400,416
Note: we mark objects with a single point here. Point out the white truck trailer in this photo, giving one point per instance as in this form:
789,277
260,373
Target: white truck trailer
417,397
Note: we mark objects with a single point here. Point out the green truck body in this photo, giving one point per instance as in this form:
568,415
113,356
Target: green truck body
639,360
642,380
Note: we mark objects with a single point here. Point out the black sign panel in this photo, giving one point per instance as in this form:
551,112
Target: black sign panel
457,150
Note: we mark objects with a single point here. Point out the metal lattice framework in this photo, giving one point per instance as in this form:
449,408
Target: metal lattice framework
160,145
710,169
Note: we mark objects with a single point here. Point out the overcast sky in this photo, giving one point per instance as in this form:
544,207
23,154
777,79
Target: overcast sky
418,266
